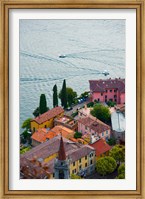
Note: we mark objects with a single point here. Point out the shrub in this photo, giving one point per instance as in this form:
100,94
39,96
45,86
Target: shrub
78,135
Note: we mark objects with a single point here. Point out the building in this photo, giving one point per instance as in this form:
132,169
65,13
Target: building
43,135
61,164
62,130
33,169
46,120
101,147
82,157
108,90
84,112
118,125
94,127
67,122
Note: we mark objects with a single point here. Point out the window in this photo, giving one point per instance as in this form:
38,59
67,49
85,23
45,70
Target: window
105,96
106,132
53,175
101,94
110,91
98,99
86,164
80,167
33,129
45,126
115,100
115,96
115,91
91,162
86,157
106,91
86,127
103,134
79,160
73,163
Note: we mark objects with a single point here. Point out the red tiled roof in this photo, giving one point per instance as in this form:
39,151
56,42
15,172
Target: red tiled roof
48,115
100,147
102,85
94,124
42,134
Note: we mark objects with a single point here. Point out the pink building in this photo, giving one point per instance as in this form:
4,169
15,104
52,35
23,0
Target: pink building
94,127
108,90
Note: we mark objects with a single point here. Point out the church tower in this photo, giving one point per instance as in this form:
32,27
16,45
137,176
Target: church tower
61,164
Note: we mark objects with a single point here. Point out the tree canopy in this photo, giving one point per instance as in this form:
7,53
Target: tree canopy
68,97
105,165
121,172
63,95
77,134
55,97
101,112
118,153
27,124
43,104
71,95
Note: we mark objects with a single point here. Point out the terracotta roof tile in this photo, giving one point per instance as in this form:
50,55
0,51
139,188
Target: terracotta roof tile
48,115
102,85
100,147
94,124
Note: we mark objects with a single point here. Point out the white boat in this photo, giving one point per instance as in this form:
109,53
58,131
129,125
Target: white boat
105,72
62,56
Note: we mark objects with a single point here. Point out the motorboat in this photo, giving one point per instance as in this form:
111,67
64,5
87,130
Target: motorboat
62,56
105,72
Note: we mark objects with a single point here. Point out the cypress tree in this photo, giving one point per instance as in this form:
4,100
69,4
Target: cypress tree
64,95
55,98
43,104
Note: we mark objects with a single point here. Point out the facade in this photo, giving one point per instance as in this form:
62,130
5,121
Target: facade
81,157
118,125
108,90
46,120
67,122
94,127
101,147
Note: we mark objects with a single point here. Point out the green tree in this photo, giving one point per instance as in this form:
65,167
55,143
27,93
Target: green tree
77,135
63,95
42,104
111,104
118,153
101,112
36,112
105,165
121,172
27,124
55,97
71,95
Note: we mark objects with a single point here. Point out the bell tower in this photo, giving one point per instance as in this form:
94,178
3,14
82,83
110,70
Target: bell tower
61,164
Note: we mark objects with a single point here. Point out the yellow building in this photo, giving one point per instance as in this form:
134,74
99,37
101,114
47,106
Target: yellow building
46,120
81,158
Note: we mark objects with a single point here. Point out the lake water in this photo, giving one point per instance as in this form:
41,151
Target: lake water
90,46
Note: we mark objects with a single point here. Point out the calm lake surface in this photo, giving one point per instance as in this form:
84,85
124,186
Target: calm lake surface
90,46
